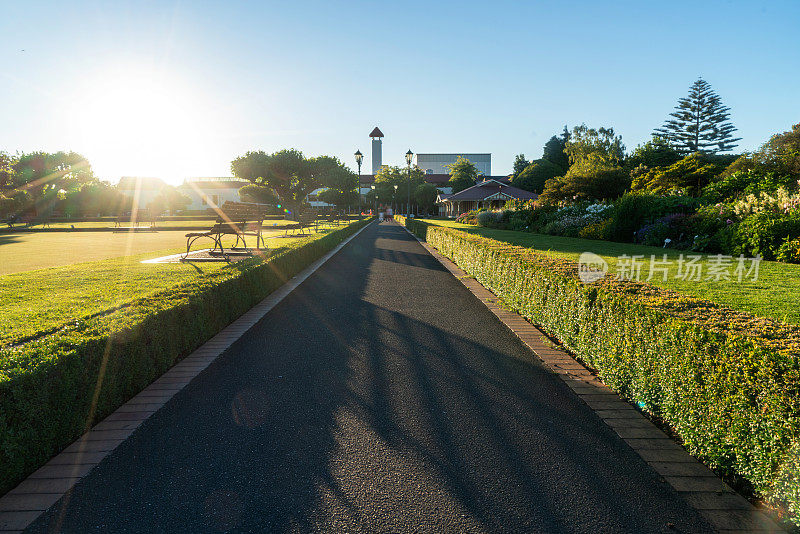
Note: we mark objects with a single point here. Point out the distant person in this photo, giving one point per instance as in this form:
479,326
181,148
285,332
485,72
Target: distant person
389,213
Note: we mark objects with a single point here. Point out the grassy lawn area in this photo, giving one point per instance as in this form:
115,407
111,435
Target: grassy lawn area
774,294
36,300
198,223
25,251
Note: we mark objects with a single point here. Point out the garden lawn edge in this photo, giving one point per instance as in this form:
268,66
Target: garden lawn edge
54,389
732,397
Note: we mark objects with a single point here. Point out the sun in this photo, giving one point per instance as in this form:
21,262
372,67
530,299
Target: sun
140,123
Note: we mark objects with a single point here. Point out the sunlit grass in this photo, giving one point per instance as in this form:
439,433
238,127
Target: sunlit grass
37,300
25,251
774,294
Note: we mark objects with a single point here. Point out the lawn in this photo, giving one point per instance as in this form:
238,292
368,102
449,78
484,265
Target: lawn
774,294
25,251
194,223
38,300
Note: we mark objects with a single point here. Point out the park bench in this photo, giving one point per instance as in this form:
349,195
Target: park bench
234,218
306,219
133,218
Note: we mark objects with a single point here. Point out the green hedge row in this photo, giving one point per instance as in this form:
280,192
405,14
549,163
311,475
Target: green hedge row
47,386
727,382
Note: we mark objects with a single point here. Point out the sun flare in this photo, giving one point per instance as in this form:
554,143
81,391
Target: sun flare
148,123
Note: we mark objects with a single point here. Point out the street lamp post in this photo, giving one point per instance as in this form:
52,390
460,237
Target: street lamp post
394,198
374,200
359,159
409,157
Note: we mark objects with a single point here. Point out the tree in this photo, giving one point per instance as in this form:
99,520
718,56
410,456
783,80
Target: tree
425,197
340,181
700,122
6,170
586,181
599,146
287,172
463,174
536,174
687,176
554,150
169,199
259,194
655,153
780,155
520,163
389,176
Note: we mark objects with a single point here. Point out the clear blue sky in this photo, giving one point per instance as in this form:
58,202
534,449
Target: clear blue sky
219,78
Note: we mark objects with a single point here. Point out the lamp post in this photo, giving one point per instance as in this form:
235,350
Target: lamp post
394,198
359,159
409,157
374,200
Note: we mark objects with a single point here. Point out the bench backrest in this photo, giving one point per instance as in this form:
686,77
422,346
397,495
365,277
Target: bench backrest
241,213
307,217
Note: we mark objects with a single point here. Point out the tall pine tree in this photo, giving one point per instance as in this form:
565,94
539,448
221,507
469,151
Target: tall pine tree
700,123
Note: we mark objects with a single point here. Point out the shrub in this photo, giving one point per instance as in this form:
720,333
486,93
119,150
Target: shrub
634,210
536,174
764,233
727,382
599,230
47,385
789,251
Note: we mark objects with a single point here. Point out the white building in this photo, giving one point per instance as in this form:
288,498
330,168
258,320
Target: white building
141,189
213,191
438,163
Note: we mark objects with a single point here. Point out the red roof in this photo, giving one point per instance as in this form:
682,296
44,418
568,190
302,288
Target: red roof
439,180
489,188
376,133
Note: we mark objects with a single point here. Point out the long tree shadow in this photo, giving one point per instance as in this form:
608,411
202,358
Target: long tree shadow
340,411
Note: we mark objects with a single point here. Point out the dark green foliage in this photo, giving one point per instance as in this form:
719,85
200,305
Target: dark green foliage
780,156
763,234
700,122
587,180
47,385
519,165
726,382
654,153
463,174
287,172
686,176
259,194
425,197
634,210
554,150
536,174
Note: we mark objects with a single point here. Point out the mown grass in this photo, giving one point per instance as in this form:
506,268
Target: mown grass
42,300
774,294
26,251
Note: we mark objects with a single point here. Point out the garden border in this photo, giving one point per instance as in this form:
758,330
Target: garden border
42,489
718,503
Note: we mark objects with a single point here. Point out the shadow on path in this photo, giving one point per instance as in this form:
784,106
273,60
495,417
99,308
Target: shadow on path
376,397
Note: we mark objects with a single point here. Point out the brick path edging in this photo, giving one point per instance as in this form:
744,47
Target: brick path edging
722,507
33,496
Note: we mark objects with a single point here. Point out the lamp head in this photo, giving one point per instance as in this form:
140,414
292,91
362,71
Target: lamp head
359,156
409,156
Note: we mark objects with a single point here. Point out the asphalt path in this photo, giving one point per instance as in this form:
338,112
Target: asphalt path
379,396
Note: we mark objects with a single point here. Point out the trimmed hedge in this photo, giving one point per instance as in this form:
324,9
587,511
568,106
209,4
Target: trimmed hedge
727,382
47,386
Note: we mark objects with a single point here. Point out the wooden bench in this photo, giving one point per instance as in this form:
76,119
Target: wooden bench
134,218
306,220
234,218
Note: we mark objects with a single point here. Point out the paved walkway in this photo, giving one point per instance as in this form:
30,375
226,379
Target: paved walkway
380,396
